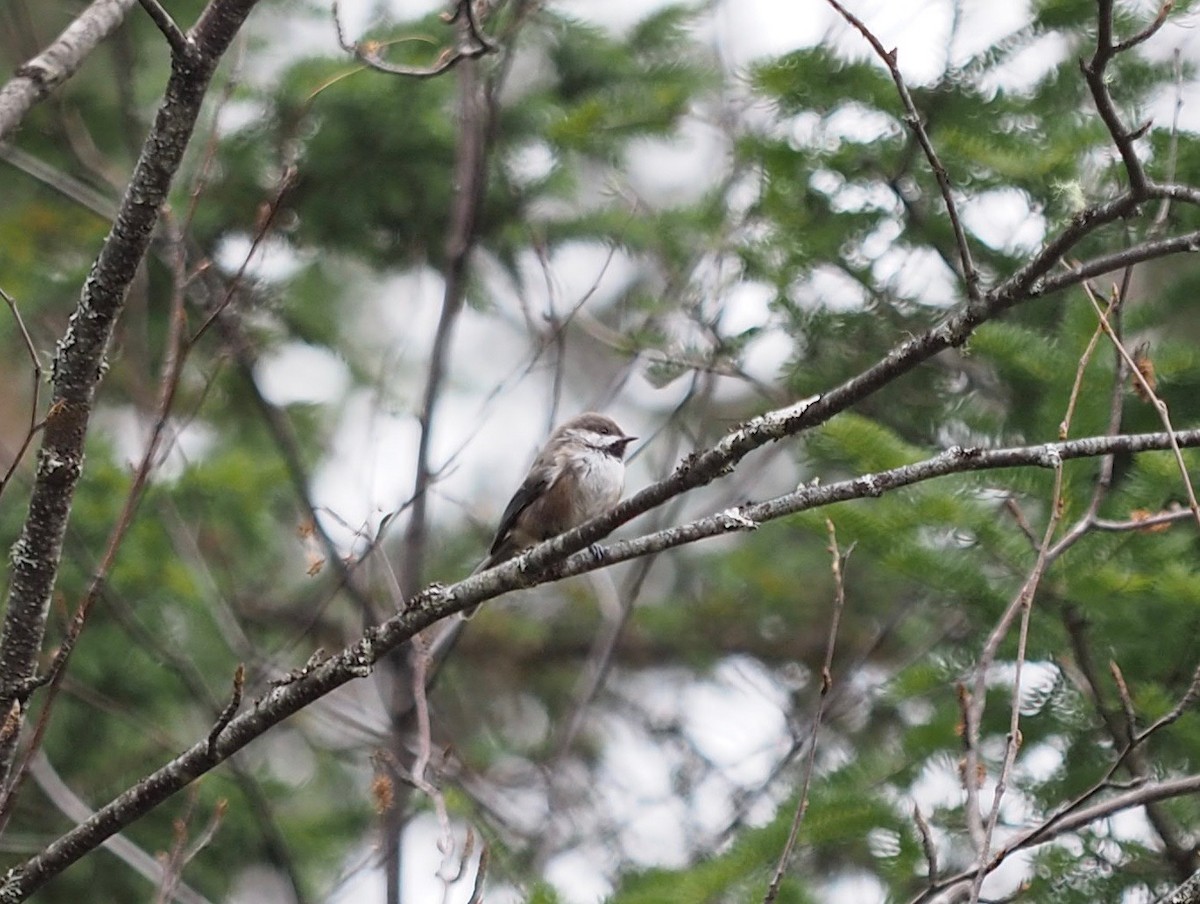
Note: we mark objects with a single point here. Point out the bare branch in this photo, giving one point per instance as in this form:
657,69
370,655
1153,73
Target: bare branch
547,561
35,401
231,708
477,116
34,80
182,47
1150,792
79,363
913,119
472,43
839,603
1023,603
420,665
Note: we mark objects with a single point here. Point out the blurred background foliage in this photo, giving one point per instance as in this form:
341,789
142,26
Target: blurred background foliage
824,204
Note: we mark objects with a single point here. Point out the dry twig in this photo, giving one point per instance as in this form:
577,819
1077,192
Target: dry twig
838,561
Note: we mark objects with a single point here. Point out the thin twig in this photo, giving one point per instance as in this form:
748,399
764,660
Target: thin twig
1125,697
913,119
1146,523
1141,796
35,401
1023,603
420,664
1149,31
1064,427
837,561
927,844
231,708
1159,405
182,47
473,43
263,228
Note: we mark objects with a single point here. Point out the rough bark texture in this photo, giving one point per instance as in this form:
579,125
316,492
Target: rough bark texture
80,358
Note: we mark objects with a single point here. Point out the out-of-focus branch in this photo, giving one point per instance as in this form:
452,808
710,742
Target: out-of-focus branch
35,399
34,80
1151,792
71,806
912,116
476,113
835,620
975,702
471,44
1095,76
1133,757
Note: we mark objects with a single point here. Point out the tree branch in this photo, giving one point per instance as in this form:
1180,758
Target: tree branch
80,359
181,45
472,43
35,395
1094,74
544,563
835,620
912,117
1148,793
34,80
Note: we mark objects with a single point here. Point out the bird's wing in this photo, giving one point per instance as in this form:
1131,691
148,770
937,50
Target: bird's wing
536,483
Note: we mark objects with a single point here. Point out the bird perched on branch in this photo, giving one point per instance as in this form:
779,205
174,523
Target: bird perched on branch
578,475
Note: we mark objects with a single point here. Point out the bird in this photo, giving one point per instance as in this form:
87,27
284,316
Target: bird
578,475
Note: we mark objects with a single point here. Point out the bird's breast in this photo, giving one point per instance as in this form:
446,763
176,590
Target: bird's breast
600,481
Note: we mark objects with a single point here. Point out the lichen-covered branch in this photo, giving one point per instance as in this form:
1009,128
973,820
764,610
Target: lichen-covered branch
79,361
